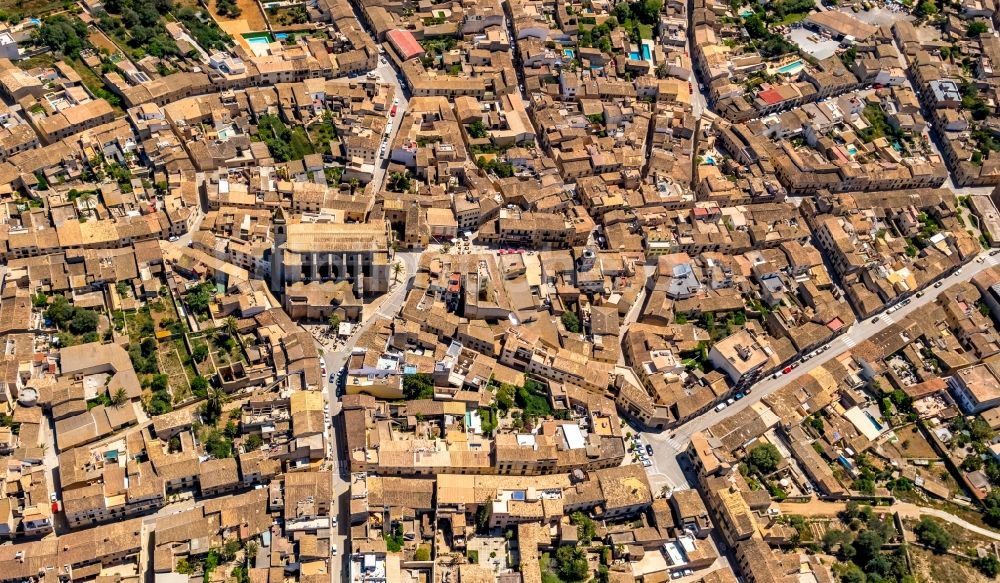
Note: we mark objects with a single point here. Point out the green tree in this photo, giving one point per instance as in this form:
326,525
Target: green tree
230,548
64,34
572,563
59,311
399,182
972,463
199,386
418,386
868,544
39,300
852,574
976,28
120,397
927,8
585,529
423,553
334,321
988,565
932,534
505,396
212,409
218,445
765,458
477,130
160,383
199,352
980,430
230,325
83,321
570,321
483,514
253,442
184,567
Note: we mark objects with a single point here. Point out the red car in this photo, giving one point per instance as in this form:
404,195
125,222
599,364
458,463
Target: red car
393,112
786,370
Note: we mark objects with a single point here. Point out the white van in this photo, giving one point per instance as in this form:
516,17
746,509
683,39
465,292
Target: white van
720,406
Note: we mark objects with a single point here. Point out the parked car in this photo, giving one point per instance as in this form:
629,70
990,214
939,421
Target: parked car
739,396
647,463
875,320
938,284
333,550
649,450
786,370
720,406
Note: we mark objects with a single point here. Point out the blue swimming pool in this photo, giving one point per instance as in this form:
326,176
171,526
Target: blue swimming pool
876,424
642,54
569,53
746,12
790,68
851,149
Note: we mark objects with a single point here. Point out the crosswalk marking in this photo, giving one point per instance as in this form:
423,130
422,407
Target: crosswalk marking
675,445
849,341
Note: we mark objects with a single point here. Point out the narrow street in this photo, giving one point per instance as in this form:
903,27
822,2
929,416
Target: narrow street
668,444
335,360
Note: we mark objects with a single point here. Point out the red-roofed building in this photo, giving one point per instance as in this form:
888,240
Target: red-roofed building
770,96
405,44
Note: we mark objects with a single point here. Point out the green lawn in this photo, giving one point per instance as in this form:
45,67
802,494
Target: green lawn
645,31
95,85
36,8
792,18
285,143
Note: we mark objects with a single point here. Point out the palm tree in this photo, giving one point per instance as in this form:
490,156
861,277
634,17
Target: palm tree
85,198
230,325
120,397
251,551
213,404
354,184
397,268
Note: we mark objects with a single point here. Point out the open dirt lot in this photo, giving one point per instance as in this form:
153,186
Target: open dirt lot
916,446
101,41
251,20
931,567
